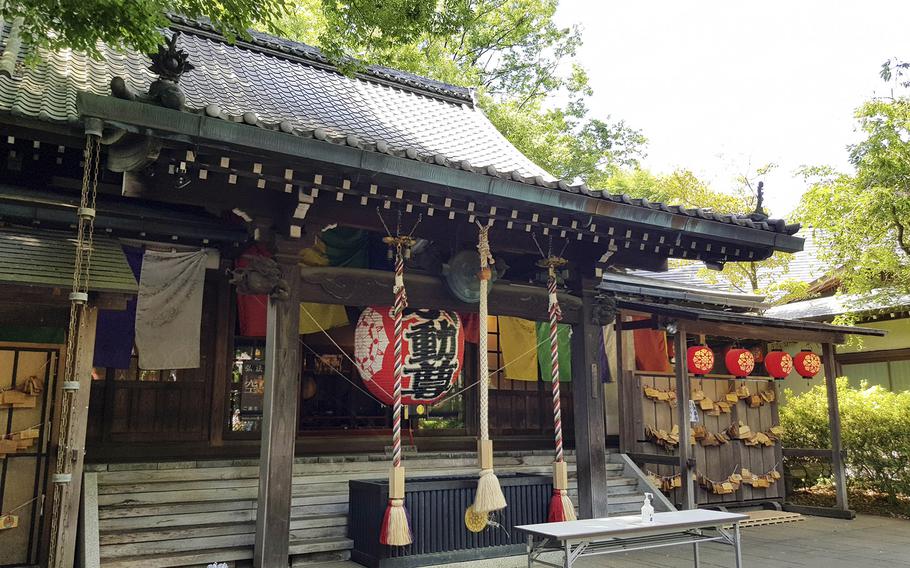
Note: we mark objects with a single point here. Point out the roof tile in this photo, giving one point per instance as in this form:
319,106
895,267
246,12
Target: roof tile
282,85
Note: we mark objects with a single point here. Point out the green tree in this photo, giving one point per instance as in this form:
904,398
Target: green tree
862,218
519,61
682,187
135,24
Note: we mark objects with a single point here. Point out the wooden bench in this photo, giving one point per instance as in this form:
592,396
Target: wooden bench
621,534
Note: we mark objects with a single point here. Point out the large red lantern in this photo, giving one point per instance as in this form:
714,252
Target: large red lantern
740,362
433,352
778,364
700,359
807,363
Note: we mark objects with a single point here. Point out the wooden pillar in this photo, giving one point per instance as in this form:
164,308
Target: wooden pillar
686,461
837,459
628,395
279,419
588,405
67,505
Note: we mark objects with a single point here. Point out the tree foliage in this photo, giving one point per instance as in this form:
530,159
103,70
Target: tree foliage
682,187
875,426
862,218
135,24
511,52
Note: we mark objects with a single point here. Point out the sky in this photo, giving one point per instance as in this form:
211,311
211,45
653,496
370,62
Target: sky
722,88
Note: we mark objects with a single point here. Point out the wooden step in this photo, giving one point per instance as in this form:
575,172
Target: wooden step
314,504
151,483
194,558
252,471
211,524
318,545
299,519
307,473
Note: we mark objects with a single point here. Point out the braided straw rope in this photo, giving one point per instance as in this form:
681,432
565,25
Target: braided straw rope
489,496
486,259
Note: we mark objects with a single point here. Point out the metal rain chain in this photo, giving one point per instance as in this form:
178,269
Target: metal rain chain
66,454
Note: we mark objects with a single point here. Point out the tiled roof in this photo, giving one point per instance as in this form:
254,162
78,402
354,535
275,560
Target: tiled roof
278,84
829,306
805,266
43,258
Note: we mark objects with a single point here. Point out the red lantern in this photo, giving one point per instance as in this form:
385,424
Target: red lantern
700,359
740,362
433,352
778,364
807,363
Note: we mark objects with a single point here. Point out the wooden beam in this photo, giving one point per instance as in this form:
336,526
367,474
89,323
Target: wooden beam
902,354
364,287
820,511
66,502
808,453
628,389
279,420
88,528
741,331
686,461
660,459
588,405
224,342
837,460
650,323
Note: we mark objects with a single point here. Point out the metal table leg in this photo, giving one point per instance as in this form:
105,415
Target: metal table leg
696,555
736,545
530,549
568,552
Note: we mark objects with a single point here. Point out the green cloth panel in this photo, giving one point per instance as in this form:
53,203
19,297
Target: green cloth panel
56,335
346,247
564,335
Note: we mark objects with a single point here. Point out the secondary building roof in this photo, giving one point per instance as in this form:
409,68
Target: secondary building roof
45,259
805,266
285,86
828,307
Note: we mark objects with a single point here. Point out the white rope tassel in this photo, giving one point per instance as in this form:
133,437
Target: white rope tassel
489,495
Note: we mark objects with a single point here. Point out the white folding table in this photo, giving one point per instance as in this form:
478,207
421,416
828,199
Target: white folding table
592,537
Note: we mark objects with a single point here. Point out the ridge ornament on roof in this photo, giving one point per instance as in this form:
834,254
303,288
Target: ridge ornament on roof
170,63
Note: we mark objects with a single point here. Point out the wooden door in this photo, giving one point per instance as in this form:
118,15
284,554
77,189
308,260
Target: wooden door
161,406
23,473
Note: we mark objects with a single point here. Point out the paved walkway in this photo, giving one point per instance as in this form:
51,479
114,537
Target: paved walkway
866,542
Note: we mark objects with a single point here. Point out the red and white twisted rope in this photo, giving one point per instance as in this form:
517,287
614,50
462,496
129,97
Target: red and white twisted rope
401,301
555,316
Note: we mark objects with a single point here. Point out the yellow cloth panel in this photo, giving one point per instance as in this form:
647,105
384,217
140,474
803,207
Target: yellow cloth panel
518,343
321,317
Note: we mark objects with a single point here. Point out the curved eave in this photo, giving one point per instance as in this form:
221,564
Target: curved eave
140,117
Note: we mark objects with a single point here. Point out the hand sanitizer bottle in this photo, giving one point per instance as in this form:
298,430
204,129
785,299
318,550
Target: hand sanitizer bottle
647,510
